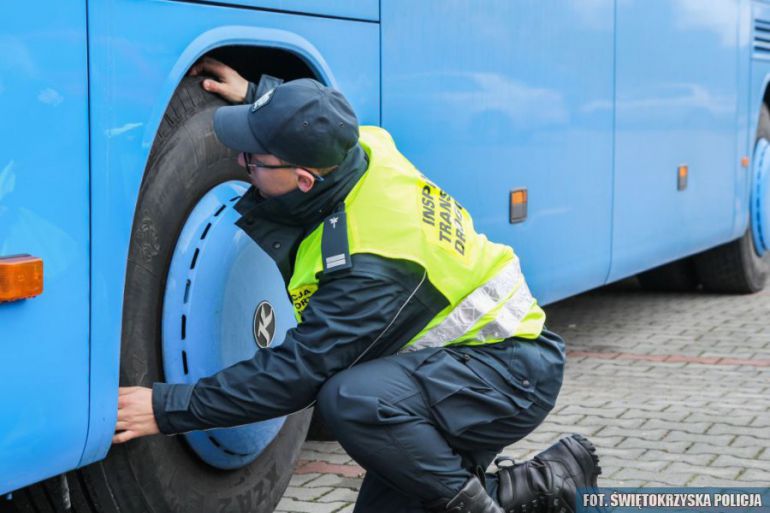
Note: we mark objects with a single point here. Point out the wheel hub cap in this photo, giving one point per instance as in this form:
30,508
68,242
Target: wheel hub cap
760,197
224,300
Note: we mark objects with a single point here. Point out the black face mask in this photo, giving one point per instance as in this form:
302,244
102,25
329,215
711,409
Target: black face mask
297,208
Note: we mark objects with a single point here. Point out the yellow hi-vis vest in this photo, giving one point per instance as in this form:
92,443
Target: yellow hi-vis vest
394,211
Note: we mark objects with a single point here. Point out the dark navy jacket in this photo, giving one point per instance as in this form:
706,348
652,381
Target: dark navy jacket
371,311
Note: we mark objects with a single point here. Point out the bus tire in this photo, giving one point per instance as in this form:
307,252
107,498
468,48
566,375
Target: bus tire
160,473
733,268
736,267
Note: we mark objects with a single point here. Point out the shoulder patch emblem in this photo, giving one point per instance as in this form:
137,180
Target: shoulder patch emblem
262,100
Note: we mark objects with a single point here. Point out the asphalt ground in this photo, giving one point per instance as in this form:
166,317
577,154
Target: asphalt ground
673,389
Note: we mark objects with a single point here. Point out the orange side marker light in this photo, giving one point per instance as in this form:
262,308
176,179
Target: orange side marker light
681,177
517,208
21,277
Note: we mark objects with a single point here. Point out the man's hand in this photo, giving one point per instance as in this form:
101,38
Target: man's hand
228,84
135,415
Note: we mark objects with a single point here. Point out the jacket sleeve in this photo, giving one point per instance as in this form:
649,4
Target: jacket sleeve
266,82
372,311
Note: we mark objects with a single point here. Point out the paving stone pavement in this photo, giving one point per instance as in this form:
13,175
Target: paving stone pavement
673,389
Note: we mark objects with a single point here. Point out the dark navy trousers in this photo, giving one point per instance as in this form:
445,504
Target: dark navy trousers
421,423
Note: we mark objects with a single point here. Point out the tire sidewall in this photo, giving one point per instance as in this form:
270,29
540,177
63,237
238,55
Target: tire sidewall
756,266
169,474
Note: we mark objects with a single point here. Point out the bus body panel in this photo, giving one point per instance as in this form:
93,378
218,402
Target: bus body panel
518,94
572,100
44,211
136,63
354,9
676,104
745,120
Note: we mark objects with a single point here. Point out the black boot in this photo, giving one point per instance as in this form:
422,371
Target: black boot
549,481
472,498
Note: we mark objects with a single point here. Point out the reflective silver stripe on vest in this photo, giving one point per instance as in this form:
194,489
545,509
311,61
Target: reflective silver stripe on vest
466,314
510,316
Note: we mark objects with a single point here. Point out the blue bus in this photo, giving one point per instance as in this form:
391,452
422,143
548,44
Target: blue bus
600,138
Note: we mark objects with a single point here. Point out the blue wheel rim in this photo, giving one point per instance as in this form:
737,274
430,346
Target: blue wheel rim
217,280
760,202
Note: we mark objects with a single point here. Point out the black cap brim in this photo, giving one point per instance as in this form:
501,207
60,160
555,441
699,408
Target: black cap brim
231,126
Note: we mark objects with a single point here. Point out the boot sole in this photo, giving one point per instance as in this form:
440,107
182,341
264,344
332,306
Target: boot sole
591,449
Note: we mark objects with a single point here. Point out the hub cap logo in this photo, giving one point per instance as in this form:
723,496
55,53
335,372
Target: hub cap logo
264,324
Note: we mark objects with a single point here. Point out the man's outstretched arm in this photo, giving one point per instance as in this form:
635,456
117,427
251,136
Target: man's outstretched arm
371,312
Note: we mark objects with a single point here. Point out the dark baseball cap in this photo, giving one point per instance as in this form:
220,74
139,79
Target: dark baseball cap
302,122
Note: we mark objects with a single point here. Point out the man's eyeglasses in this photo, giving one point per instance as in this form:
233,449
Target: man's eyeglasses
252,165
